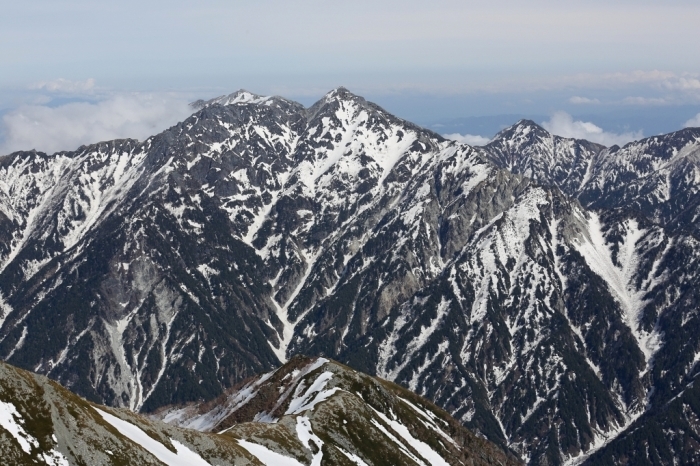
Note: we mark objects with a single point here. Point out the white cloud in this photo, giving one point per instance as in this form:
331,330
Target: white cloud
66,86
693,122
563,124
639,76
576,100
471,139
644,101
68,126
684,83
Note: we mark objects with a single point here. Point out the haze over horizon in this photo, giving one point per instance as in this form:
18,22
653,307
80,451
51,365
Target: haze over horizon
76,72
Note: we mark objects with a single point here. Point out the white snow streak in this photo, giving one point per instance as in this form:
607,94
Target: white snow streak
267,456
423,449
283,313
620,279
183,457
352,457
11,420
306,436
301,403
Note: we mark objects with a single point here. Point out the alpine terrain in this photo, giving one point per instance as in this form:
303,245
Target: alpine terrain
340,418
541,290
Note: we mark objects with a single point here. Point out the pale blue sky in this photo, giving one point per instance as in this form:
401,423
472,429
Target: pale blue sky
629,62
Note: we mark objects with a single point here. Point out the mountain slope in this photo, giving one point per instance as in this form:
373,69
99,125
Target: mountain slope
657,177
358,421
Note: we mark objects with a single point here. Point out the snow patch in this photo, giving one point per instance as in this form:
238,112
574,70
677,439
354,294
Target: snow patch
267,456
306,436
352,457
11,421
423,449
393,438
183,457
301,403
430,418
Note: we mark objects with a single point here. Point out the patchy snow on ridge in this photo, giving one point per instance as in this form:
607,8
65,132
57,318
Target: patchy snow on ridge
353,457
267,456
183,457
423,449
11,421
301,403
207,421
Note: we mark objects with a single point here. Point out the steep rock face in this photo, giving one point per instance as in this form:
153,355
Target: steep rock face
532,315
527,287
658,177
353,162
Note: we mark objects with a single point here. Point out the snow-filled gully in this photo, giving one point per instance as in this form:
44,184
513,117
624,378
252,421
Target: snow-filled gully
620,279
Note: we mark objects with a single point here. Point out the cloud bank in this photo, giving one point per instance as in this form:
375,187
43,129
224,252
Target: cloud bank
563,124
471,139
693,122
577,100
66,86
66,127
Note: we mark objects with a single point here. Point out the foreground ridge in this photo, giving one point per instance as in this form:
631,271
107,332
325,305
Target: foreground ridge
358,421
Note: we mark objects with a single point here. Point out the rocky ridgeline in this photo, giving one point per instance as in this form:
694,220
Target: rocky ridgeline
324,414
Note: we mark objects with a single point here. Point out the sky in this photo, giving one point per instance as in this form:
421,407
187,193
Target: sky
78,71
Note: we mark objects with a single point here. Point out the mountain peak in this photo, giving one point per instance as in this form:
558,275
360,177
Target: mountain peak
527,123
241,96
344,405
522,128
341,93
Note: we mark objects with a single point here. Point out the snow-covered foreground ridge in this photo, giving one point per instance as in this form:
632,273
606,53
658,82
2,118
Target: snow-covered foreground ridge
43,423
538,288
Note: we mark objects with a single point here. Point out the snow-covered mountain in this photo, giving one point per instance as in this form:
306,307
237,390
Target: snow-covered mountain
657,177
539,289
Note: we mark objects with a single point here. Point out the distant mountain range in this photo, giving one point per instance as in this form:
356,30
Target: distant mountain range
539,289
614,119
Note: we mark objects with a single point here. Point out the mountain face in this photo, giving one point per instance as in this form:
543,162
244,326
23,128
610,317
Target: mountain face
539,289
328,415
658,177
